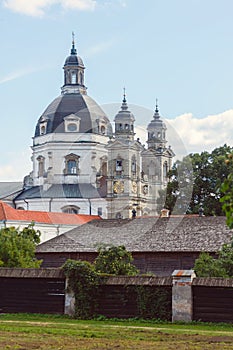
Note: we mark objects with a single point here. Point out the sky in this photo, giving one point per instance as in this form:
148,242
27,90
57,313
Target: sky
179,51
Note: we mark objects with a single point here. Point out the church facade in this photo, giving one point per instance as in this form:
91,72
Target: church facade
80,165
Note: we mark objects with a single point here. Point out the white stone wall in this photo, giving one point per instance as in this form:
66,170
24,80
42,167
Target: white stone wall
55,147
86,206
48,231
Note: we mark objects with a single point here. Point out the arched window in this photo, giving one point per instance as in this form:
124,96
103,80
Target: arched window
165,170
70,209
41,166
42,130
72,167
133,165
119,165
102,130
71,164
80,78
118,215
73,78
103,169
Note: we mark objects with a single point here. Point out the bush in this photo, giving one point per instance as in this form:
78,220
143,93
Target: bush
222,266
115,261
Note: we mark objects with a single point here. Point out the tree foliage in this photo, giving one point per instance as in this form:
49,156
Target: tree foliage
227,192
83,282
188,190
115,260
17,248
222,266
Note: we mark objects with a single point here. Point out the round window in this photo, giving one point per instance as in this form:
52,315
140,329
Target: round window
72,127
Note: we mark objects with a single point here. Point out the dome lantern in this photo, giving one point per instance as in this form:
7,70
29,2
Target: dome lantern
73,72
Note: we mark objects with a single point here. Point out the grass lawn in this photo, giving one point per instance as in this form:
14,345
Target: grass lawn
45,332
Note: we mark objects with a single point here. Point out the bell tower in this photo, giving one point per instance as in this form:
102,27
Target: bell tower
156,160
124,122
156,131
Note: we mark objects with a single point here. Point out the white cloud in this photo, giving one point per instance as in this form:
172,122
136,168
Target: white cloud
204,134
17,74
82,5
37,8
187,134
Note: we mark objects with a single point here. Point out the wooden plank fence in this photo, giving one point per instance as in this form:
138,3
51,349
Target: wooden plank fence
33,291
213,299
43,291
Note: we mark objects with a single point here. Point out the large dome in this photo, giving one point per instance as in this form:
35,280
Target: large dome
90,113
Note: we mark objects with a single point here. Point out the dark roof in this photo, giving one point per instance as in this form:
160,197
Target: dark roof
82,190
31,273
10,189
82,106
172,234
74,60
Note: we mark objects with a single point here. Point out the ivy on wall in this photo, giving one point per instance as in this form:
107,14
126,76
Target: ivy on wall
83,281
86,282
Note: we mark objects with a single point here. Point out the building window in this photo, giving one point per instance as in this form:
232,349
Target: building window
72,127
133,165
70,209
100,211
72,167
71,164
41,166
42,129
165,170
102,130
103,169
72,123
118,165
73,78
81,78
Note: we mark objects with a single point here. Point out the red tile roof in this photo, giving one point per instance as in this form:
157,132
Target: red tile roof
11,214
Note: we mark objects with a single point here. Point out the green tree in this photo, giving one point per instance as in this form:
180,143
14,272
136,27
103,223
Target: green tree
178,193
221,266
17,248
227,192
115,260
209,171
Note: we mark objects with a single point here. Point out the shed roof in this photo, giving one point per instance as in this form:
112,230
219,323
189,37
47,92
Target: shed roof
10,214
174,234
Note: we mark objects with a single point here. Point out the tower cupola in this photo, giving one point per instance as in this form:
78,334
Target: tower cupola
156,131
124,122
73,72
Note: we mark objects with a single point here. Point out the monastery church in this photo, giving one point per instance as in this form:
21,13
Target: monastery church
82,166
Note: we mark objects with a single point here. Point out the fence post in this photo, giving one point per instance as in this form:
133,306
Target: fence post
182,301
69,301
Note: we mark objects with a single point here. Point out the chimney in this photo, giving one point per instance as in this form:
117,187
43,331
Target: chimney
164,213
